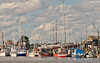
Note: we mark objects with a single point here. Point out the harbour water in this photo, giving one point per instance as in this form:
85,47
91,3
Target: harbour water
48,60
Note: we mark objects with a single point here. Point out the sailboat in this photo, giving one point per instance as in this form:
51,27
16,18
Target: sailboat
21,52
59,53
13,53
2,52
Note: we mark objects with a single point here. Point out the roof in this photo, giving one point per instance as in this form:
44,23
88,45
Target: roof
91,38
94,37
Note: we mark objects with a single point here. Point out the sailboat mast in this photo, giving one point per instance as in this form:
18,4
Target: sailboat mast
19,31
86,31
64,22
2,35
56,31
14,41
53,33
69,31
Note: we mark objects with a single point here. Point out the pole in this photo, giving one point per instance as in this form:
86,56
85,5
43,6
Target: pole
56,31
64,23
19,32
86,31
98,39
53,34
14,41
69,31
2,35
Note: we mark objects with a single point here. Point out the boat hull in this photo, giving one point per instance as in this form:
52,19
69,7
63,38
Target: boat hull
31,55
13,55
21,54
62,55
2,54
55,55
46,54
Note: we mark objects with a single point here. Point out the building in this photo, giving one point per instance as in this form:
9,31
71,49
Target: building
92,40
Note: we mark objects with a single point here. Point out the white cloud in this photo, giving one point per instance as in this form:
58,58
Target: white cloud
9,1
21,7
48,27
25,19
83,13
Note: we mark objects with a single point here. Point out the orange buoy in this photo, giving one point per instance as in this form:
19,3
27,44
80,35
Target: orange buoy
27,55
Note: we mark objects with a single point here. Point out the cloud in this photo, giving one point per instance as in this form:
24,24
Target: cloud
25,19
21,7
83,13
55,0
9,1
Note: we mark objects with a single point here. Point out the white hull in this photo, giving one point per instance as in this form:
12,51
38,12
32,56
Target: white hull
31,55
88,56
13,54
2,54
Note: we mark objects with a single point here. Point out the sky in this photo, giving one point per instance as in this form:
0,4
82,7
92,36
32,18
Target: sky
38,17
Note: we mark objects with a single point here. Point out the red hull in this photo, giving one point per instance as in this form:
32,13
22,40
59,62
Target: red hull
46,54
62,55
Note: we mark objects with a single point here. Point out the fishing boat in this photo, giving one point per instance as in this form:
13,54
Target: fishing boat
59,53
34,53
46,52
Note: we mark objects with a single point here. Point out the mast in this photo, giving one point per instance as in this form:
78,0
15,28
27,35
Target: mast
64,22
56,31
14,41
86,31
2,35
19,31
53,33
35,39
69,31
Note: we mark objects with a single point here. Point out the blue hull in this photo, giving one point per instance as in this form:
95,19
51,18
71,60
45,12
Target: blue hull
21,54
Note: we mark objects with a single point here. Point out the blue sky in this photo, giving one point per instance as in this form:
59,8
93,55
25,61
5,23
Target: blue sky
40,16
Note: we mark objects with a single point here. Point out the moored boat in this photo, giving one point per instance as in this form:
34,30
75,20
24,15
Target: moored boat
21,53
46,54
34,53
